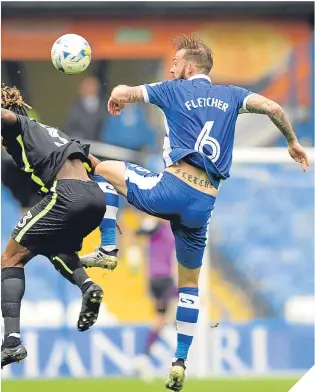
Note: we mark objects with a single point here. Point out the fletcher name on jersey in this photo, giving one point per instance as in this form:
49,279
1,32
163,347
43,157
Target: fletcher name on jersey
206,102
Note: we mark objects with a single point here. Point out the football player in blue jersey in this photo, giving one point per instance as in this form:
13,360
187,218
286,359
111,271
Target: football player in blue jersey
200,120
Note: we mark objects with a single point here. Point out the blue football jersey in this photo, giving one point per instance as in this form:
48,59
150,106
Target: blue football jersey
200,121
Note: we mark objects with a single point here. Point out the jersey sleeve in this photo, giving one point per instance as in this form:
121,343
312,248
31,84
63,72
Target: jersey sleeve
85,147
159,94
241,95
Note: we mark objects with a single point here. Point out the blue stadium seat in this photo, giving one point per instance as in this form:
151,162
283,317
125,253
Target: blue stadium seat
263,227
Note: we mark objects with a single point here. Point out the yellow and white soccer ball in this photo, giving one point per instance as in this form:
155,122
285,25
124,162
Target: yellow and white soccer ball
71,54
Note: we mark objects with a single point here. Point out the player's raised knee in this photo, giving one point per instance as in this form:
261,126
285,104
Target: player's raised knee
114,173
8,261
4,260
108,168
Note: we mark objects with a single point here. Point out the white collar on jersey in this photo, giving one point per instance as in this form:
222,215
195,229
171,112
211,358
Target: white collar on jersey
200,76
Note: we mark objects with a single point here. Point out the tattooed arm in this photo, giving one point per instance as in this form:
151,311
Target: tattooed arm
126,94
122,95
160,94
261,105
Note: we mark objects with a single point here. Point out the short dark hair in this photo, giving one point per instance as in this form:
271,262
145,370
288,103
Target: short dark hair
12,99
196,51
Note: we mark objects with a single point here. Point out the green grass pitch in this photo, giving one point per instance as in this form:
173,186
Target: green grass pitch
134,385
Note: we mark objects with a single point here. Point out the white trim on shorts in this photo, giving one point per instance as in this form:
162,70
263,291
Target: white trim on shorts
142,182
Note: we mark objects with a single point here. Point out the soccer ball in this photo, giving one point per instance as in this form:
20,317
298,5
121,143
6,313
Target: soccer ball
71,54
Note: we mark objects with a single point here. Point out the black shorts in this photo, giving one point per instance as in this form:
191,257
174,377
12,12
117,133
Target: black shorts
60,221
161,290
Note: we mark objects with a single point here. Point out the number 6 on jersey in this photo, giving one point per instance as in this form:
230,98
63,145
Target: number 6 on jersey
205,139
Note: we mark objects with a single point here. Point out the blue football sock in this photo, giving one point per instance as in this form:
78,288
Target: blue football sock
108,225
186,319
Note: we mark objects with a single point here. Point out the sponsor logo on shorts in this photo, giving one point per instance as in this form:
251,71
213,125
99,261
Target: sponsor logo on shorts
110,187
25,218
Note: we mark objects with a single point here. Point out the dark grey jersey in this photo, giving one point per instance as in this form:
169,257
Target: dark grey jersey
41,150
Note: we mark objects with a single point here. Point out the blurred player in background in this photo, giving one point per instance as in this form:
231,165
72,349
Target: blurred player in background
160,258
71,208
200,123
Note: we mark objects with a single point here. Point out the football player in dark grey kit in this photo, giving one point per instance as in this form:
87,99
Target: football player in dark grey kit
72,207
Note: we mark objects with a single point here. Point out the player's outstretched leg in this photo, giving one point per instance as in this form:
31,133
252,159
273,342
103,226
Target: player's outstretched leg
69,265
105,256
12,292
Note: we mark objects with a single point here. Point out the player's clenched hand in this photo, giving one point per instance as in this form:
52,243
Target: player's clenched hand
298,153
114,108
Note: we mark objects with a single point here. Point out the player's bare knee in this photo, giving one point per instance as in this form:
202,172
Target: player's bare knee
114,173
4,260
14,255
8,261
107,170
104,168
